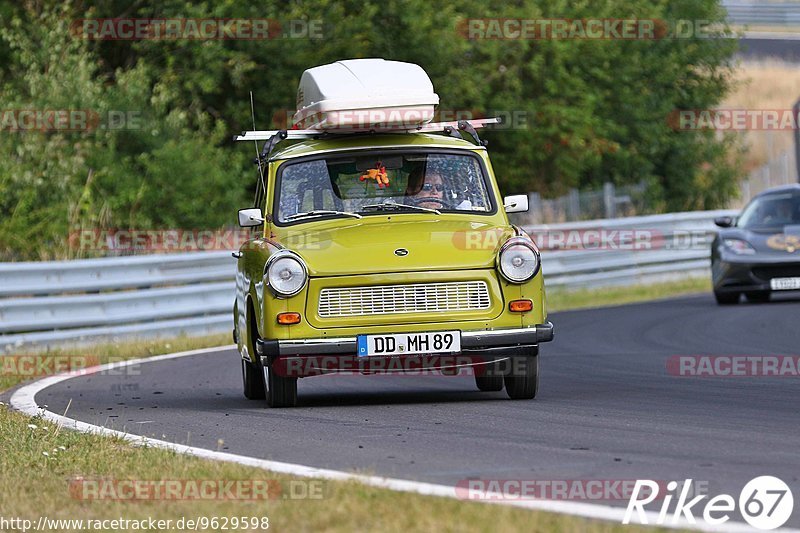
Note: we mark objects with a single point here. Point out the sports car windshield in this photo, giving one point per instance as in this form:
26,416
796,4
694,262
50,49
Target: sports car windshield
771,211
363,185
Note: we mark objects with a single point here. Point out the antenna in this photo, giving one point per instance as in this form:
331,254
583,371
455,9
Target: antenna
255,143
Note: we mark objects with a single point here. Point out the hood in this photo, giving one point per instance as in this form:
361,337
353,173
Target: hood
369,245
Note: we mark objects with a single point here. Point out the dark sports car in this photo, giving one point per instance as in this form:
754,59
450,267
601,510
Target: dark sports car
758,252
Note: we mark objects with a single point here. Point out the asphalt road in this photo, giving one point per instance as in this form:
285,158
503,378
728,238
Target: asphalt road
607,407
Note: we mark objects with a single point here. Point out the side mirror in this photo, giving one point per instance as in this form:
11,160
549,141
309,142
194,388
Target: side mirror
723,222
516,204
251,217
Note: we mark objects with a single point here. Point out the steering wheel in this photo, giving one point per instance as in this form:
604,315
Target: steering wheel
417,200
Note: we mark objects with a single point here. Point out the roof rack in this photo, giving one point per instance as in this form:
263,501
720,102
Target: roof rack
451,129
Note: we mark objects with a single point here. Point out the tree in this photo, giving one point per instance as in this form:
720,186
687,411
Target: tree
593,110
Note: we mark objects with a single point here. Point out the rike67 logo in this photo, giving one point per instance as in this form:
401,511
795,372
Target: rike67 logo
765,502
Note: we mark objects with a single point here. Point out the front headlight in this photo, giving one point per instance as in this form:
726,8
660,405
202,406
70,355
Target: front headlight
739,246
518,261
286,273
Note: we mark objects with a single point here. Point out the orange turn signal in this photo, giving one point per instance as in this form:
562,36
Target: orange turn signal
520,306
288,318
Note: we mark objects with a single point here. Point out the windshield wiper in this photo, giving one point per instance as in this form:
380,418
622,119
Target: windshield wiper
394,205
322,212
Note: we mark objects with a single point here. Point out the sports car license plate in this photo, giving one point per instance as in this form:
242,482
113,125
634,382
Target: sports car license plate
784,284
409,343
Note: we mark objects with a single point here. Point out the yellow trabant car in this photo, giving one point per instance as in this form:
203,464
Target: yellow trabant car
385,252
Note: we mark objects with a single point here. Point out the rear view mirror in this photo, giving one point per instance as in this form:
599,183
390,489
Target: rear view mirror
723,222
251,217
516,204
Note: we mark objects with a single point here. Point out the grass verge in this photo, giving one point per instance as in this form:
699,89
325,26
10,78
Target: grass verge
564,300
34,485
41,463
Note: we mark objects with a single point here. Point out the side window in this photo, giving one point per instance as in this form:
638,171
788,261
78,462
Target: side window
306,187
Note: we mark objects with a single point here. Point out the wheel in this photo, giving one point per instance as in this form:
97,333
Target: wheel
253,381
726,298
491,380
757,297
522,381
280,391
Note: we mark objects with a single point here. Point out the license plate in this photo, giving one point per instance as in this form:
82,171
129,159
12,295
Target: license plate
409,343
784,284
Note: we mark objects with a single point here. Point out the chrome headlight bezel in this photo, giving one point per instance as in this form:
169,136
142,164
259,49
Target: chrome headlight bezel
270,265
524,245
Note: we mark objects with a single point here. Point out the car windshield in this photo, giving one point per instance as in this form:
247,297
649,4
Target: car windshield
771,211
409,182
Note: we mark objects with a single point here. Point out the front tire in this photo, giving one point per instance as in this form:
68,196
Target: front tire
727,298
280,391
253,381
757,297
522,382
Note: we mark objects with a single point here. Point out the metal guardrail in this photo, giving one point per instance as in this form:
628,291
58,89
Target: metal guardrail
763,13
679,246
85,301
58,277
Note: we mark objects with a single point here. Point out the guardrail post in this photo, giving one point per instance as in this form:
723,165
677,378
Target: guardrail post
796,112
574,205
535,208
610,199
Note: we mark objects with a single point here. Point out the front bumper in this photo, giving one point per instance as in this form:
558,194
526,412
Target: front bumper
501,342
750,275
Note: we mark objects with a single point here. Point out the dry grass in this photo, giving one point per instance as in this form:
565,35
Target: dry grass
765,85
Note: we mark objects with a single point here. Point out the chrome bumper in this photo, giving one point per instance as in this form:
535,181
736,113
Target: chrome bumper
470,340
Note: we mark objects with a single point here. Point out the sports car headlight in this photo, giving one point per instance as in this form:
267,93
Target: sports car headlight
286,273
518,261
738,246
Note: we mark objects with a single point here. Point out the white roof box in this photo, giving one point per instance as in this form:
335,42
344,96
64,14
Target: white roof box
364,94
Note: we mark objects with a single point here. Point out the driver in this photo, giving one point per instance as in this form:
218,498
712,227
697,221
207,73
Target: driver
429,193
780,213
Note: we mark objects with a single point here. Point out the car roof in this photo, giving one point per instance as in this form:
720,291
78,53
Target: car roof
368,141
794,187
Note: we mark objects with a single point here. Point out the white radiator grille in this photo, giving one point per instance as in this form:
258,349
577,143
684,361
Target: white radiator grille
413,298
